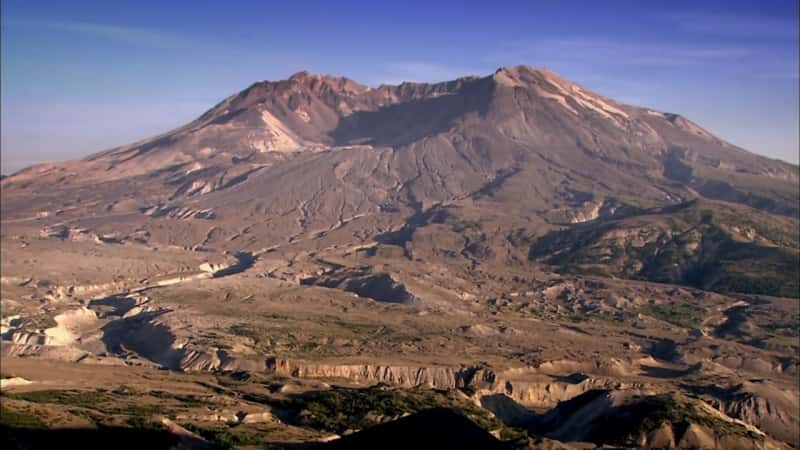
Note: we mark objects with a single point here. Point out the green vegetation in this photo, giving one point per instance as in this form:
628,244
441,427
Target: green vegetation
187,400
335,410
341,409
338,410
13,418
103,402
246,330
142,423
576,317
784,329
629,422
686,316
320,335
223,437
83,399
708,245
595,271
38,322
520,238
610,318
488,423
773,272
678,410
462,225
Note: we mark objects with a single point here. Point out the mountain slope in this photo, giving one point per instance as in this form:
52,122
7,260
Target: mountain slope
710,245
471,126
519,149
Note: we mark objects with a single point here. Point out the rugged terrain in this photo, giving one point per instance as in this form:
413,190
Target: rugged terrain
515,247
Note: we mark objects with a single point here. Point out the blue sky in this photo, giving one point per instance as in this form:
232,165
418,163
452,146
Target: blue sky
82,76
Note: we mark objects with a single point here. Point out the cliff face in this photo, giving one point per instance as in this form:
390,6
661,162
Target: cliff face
405,376
512,394
541,394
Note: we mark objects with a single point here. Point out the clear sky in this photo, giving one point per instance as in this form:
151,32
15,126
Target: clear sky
82,76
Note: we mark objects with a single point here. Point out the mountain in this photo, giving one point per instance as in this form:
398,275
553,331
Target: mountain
515,240
520,149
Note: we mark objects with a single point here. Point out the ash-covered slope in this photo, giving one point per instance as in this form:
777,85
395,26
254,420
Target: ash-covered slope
305,157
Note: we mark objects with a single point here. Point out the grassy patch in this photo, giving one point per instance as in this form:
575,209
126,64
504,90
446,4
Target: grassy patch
341,409
84,399
19,419
631,421
103,402
224,437
338,410
677,410
576,317
141,423
246,330
462,225
789,329
38,322
685,316
608,317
